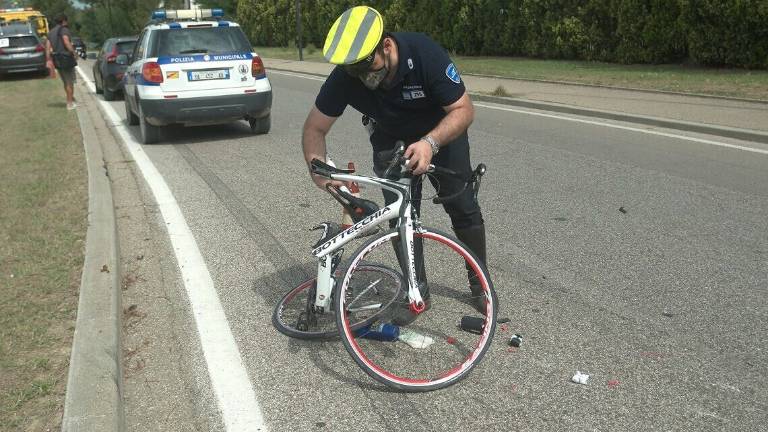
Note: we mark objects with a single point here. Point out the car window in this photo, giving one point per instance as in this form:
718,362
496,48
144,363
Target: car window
125,47
22,42
211,40
138,52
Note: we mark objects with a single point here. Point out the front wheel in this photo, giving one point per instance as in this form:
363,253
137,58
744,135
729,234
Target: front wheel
374,287
437,347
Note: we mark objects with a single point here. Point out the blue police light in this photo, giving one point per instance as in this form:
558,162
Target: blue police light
217,12
158,14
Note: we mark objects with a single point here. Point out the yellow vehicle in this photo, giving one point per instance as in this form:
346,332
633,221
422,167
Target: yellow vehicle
23,15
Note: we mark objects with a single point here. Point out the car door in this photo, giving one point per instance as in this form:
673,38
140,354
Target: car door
134,69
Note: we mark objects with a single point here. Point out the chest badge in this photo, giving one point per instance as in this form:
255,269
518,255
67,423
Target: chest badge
452,73
410,64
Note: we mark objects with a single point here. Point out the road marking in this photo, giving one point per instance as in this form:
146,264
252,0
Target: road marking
577,120
633,129
297,75
236,397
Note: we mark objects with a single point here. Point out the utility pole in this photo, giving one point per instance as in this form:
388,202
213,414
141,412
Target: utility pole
298,28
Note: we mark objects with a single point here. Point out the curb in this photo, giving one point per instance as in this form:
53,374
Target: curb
93,400
722,131
619,88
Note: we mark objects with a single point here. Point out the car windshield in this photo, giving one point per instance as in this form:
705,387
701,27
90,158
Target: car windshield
22,42
208,40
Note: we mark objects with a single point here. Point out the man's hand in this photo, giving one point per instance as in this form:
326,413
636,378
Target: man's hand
321,182
419,155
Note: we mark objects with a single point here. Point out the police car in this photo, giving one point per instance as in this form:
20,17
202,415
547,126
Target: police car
192,67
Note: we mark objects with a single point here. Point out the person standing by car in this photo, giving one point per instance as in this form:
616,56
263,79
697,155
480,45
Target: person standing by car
61,54
409,86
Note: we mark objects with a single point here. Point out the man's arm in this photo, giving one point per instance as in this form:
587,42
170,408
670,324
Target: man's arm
316,127
460,115
68,44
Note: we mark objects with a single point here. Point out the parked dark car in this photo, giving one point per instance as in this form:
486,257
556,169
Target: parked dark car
107,72
21,50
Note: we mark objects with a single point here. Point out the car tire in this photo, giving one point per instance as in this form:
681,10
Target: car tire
96,84
150,134
131,118
260,126
109,95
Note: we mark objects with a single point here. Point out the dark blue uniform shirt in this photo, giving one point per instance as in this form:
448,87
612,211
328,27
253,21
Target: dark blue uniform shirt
426,81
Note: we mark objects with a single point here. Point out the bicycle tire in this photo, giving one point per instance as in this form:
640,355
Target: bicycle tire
453,352
285,315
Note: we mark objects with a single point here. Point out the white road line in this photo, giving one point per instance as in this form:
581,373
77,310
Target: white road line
633,129
577,120
236,397
297,75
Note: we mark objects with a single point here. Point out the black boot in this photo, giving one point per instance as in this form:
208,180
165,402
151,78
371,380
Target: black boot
474,238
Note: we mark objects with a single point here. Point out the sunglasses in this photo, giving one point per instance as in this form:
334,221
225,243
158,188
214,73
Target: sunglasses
363,67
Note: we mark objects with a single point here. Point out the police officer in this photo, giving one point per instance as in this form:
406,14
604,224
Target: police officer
408,85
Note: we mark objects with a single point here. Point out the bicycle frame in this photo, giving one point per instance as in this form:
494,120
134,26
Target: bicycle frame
328,252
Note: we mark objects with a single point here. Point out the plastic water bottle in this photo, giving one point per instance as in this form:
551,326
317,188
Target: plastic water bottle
381,332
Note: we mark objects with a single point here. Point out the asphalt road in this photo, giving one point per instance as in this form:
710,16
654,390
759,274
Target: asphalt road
662,303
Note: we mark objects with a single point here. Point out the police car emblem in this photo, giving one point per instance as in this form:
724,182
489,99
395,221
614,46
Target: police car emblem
243,69
452,73
206,57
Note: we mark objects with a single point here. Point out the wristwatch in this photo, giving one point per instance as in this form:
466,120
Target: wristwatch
432,143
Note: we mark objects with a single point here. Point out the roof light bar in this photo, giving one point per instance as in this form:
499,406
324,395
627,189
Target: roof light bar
189,14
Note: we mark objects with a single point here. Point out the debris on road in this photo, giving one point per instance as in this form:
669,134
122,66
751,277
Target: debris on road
580,378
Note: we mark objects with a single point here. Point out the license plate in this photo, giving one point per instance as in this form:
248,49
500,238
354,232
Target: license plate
211,74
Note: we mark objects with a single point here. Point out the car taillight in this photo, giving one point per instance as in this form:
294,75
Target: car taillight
39,48
2,51
257,67
112,56
152,73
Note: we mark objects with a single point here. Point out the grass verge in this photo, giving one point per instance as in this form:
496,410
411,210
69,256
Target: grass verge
676,78
43,211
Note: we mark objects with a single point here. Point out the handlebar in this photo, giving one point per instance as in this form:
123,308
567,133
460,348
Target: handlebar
397,170
473,180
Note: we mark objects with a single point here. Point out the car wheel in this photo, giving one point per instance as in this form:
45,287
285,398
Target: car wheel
96,83
261,125
109,95
149,133
130,117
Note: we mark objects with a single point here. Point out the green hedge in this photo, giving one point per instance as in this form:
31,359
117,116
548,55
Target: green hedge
709,32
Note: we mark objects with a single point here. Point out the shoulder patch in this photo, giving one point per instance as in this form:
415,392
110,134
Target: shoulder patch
452,73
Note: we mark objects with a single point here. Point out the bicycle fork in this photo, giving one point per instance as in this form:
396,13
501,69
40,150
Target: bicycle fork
411,259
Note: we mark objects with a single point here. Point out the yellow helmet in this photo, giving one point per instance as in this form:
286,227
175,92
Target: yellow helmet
354,36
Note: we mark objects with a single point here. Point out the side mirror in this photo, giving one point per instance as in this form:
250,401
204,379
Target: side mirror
122,59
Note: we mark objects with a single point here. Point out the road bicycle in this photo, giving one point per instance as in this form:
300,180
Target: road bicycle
401,299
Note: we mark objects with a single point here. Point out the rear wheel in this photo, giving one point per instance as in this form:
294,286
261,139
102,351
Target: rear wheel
375,288
130,117
97,83
432,349
109,95
260,126
150,134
